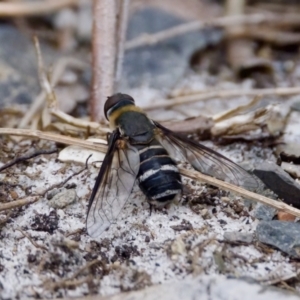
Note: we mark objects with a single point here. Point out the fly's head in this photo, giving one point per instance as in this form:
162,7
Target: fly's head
115,105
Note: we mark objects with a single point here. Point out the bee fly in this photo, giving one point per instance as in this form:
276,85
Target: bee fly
143,150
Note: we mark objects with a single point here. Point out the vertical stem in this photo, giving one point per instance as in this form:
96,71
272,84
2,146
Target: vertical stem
122,30
103,55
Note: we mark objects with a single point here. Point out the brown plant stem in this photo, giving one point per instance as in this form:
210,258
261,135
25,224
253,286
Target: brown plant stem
49,136
103,55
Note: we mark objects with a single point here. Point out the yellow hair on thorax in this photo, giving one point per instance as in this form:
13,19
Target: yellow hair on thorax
118,112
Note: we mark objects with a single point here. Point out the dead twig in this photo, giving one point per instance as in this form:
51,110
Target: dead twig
32,199
201,96
195,124
29,8
49,136
35,244
60,184
103,55
77,231
228,21
233,112
67,283
26,157
279,37
195,175
58,69
201,246
71,281
52,101
19,203
87,266
240,191
79,123
44,81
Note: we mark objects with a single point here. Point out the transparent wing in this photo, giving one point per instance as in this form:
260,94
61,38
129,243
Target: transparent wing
113,186
205,160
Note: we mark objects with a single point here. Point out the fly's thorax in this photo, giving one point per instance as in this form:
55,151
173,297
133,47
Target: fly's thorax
136,126
116,115
131,121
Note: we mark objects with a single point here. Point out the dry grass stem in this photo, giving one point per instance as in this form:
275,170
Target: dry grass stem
87,266
65,284
49,136
68,282
228,21
30,8
194,124
240,191
103,55
18,203
26,157
78,122
62,183
279,37
58,70
34,108
51,97
31,240
233,112
43,78
201,96
191,174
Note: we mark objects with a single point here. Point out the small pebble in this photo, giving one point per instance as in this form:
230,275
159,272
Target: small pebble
63,199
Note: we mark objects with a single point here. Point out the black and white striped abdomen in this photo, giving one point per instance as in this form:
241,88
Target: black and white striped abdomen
158,176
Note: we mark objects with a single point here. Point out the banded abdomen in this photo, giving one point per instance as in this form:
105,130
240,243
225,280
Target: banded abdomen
158,176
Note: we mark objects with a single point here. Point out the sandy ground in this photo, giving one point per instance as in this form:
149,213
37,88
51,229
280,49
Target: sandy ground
45,252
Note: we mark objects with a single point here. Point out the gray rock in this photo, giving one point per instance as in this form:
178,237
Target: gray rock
162,65
236,236
63,198
283,235
205,288
264,212
261,211
296,104
279,182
